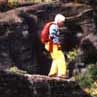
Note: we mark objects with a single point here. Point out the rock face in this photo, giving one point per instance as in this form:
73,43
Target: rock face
20,33
20,46
12,85
18,42
89,46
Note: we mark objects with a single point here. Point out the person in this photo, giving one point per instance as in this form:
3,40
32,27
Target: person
58,67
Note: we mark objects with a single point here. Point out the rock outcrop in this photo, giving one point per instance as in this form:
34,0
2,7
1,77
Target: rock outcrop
12,85
21,27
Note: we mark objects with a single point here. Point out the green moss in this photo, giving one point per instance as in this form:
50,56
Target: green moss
17,71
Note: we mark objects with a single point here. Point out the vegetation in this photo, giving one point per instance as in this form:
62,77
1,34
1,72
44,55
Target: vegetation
16,70
71,55
88,80
17,2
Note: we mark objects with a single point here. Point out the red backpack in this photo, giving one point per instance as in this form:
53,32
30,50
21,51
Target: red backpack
45,33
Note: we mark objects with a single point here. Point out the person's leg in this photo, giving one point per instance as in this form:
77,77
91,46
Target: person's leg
53,70
61,65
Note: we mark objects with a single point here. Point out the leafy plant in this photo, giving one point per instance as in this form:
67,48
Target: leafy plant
87,80
71,55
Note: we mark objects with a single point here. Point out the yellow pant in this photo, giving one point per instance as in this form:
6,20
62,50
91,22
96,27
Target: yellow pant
58,67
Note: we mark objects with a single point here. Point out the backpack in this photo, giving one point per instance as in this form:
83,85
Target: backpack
45,33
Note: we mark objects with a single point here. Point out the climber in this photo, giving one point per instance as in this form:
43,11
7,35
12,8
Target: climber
58,67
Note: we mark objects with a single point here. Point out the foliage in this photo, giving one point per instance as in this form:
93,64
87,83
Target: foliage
87,80
17,2
93,90
71,55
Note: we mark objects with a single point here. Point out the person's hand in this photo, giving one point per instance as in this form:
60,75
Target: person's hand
59,47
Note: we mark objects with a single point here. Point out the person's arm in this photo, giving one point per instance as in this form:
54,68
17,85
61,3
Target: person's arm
54,33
